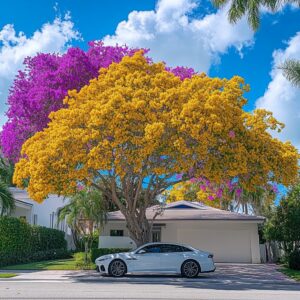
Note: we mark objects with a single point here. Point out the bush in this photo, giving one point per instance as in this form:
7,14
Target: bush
23,243
47,238
15,235
95,253
294,260
80,261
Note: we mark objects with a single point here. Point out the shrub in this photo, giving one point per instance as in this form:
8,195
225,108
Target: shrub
294,260
22,243
95,253
15,235
80,261
47,238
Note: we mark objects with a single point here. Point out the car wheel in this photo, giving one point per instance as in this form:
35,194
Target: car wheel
190,269
117,268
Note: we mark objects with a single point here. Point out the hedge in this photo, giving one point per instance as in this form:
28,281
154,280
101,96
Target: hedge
47,238
95,253
23,243
294,260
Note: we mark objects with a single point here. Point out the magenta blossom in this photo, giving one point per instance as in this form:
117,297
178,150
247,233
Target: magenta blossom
45,81
239,192
231,134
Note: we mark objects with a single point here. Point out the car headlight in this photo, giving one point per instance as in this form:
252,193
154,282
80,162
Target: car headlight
102,259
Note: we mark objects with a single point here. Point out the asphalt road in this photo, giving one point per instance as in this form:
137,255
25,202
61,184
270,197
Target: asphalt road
228,282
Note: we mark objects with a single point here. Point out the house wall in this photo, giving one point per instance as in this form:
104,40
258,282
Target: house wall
46,212
229,241
22,212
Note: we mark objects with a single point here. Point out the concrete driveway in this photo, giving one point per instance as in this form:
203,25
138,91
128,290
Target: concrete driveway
230,281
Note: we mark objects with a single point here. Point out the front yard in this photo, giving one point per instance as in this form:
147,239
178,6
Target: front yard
75,263
7,275
294,274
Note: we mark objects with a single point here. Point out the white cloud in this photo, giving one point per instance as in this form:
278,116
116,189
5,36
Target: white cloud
14,47
179,39
281,97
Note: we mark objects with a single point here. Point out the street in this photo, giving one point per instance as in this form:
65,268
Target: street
230,281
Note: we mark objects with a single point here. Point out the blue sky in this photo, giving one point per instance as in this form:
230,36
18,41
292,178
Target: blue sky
183,32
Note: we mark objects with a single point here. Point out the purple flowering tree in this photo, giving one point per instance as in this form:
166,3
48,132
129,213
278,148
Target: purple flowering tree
45,81
42,86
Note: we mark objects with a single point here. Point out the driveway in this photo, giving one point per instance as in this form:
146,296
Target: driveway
230,281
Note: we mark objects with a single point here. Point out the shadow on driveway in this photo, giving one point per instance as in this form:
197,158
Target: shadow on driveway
227,277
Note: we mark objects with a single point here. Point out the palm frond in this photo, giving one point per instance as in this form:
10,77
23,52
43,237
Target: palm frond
7,202
291,71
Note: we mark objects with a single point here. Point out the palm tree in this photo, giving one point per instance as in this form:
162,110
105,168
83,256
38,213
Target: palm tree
6,171
251,8
84,214
7,202
291,70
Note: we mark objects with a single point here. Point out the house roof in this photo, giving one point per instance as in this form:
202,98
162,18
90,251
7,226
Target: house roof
186,210
22,196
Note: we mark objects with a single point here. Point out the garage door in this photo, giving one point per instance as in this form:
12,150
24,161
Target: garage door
226,245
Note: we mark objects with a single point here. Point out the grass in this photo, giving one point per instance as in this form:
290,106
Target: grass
7,275
58,264
294,274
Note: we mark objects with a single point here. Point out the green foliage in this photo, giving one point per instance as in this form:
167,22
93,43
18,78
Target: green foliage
21,242
7,202
291,70
84,214
6,171
95,253
283,225
294,260
251,9
47,238
15,235
83,262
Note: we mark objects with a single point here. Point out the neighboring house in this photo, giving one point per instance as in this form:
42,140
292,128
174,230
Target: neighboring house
231,237
43,214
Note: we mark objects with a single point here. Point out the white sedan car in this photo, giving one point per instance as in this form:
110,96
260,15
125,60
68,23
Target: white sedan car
158,258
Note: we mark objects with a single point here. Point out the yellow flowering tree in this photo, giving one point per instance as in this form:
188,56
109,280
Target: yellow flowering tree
227,196
132,129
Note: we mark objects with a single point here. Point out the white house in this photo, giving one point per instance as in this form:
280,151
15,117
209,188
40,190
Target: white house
232,237
43,214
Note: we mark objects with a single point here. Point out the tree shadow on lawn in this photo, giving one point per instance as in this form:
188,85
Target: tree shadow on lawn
237,277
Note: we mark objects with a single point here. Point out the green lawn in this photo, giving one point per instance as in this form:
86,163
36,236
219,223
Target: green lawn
291,273
59,264
7,275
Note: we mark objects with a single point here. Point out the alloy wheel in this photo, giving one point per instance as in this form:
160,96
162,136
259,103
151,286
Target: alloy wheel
190,269
117,268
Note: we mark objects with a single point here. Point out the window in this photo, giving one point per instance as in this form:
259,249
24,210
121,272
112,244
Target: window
184,249
156,236
35,219
116,232
167,248
151,249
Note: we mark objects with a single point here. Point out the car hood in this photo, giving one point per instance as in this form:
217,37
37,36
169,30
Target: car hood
123,255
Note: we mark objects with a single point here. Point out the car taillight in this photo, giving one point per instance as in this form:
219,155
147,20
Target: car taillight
210,256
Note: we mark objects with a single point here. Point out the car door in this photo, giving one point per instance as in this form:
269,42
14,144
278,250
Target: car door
147,259
171,257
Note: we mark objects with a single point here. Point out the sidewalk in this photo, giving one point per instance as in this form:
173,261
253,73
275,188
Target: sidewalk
50,275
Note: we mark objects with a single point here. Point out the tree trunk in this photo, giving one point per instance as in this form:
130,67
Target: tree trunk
139,228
